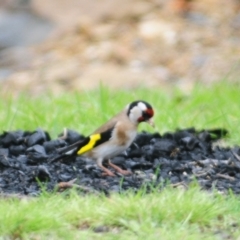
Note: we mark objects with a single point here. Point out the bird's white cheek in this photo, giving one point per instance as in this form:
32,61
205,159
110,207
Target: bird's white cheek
135,115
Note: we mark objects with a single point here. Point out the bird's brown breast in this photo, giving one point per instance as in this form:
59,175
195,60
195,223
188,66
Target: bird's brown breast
122,135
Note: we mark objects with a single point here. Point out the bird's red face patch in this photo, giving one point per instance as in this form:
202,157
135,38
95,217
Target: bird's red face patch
150,112
146,115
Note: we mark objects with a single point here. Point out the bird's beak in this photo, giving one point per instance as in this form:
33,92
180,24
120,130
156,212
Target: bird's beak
151,122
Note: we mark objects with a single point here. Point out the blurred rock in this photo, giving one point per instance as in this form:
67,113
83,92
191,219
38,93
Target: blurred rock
119,43
22,28
158,29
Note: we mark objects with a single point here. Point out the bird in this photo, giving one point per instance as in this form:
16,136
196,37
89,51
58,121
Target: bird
113,137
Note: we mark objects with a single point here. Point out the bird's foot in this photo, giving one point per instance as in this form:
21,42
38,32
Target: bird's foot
108,173
118,169
125,172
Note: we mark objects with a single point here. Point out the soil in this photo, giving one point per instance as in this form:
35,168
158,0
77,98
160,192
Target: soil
29,161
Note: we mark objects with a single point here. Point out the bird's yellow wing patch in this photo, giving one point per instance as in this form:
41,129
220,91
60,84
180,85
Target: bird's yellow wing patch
90,145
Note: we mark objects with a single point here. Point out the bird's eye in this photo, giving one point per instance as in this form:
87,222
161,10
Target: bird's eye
146,115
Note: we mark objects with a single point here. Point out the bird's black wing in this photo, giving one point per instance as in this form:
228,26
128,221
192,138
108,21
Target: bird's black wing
83,146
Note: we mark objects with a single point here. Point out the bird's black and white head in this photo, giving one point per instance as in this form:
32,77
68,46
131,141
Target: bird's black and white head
140,111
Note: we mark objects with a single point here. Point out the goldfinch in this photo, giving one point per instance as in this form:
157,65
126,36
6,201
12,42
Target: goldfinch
113,137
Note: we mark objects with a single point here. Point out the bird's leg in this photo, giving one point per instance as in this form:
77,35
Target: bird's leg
106,171
118,169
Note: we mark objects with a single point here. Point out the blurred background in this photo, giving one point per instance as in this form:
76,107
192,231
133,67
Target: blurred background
61,45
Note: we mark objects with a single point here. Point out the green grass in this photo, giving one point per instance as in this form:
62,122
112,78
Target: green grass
204,107
171,214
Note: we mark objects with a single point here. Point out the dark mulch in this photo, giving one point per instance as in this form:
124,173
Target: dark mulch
175,158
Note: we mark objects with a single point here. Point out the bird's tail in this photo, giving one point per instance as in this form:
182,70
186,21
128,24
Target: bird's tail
70,150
